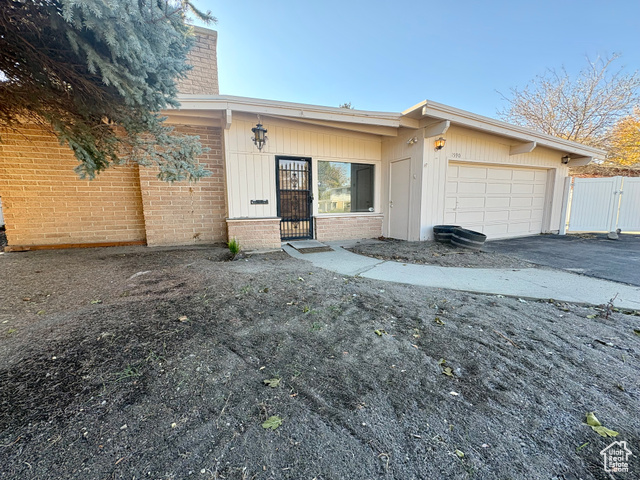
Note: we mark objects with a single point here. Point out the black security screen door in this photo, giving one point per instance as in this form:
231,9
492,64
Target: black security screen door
293,181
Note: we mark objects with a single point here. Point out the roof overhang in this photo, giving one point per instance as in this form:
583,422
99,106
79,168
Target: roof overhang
379,123
524,140
434,118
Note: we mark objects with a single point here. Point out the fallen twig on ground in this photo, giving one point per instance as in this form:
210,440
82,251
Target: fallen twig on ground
12,443
507,339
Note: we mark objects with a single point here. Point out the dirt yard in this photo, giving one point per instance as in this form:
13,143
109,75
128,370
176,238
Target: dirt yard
433,253
143,363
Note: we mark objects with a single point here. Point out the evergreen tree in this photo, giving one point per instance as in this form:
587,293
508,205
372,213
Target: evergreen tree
98,73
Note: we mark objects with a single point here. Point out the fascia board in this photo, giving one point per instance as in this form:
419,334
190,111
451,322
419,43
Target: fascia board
285,109
486,124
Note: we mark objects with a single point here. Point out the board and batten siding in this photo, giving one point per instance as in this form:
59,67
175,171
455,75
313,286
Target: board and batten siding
469,146
395,149
251,174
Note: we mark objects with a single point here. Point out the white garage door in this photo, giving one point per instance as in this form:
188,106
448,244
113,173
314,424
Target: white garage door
500,202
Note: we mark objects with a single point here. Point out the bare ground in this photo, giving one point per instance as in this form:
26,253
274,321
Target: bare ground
434,253
141,363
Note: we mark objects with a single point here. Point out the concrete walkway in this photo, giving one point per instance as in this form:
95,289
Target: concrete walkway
532,283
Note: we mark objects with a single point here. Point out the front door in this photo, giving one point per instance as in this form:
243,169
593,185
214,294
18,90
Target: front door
295,198
399,199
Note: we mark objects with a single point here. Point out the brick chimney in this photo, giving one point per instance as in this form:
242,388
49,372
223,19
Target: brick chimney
203,77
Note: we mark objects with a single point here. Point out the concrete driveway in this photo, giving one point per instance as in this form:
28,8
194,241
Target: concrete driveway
589,254
526,283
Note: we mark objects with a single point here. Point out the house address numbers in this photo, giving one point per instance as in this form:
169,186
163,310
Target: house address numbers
456,155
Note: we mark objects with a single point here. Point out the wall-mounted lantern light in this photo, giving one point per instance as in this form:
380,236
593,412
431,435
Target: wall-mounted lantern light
439,144
259,135
566,159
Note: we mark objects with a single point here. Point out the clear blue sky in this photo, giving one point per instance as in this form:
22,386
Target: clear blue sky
390,55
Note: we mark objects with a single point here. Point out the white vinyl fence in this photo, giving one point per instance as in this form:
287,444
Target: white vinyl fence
629,212
602,204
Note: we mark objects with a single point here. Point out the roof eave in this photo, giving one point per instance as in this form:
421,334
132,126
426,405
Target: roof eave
287,109
436,110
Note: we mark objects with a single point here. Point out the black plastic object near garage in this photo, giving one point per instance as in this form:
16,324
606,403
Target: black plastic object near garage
461,237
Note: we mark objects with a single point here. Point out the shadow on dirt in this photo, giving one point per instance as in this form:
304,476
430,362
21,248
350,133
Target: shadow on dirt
151,364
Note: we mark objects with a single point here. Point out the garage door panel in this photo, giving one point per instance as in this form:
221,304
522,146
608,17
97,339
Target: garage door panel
498,188
497,216
472,172
537,215
471,202
499,173
522,188
472,187
522,202
469,217
541,176
519,215
538,202
499,201
495,230
528,175
520,228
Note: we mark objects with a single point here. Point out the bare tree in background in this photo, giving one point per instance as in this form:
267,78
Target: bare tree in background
584,109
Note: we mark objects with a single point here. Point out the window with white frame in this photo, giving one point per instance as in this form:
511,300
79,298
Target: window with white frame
345,187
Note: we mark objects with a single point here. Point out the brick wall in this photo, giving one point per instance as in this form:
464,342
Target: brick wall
348,227
203,78
185,213
255,234
45,203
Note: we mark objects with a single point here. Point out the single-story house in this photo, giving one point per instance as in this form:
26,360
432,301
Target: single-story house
326,173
